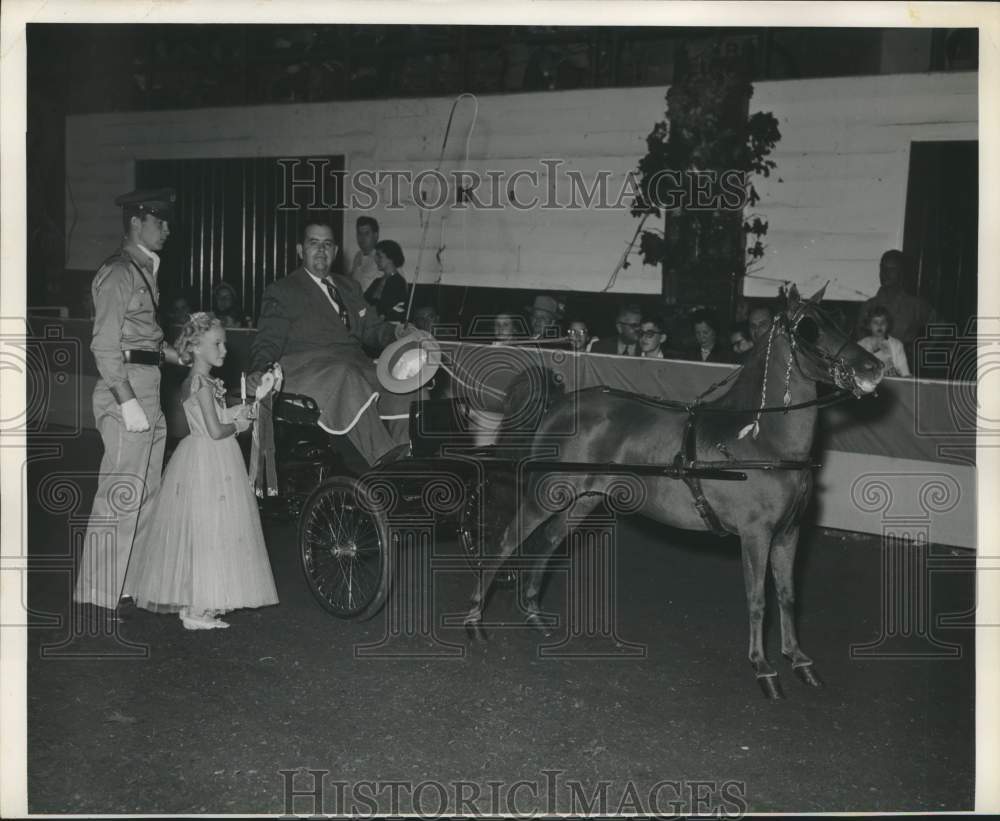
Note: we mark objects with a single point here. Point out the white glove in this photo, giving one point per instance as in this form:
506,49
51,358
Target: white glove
134,416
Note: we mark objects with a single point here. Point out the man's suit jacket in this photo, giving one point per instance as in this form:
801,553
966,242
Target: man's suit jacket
609,344
320,357
296,317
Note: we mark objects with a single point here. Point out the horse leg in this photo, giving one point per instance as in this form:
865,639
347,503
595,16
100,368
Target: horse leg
554,531
531,518
783,549
755,549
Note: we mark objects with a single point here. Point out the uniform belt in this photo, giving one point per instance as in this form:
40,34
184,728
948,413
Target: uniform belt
140,357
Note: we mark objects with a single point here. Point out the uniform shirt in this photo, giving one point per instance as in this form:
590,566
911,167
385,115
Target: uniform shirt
364,270
124,316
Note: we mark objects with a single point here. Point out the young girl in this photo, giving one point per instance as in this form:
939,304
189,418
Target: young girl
886,348
205,554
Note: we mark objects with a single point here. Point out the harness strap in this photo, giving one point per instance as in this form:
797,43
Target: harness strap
687,458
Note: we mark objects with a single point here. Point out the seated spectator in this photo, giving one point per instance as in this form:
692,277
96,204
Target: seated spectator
886,348
505,328
544,314
579,336
741,341
626,342
652,338
759,322
706,332
388,293
176,312
226,306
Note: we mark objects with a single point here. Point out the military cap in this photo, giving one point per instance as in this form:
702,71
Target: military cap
156,201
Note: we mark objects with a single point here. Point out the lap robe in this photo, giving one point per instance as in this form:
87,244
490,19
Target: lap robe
348,393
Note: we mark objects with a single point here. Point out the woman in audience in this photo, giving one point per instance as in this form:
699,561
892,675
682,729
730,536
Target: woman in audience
388,294
706,332
579,336
226,307
886,348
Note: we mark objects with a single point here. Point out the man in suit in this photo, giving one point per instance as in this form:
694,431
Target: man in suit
317,324
626,343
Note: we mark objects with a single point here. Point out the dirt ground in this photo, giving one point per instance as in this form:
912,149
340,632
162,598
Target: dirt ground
649,708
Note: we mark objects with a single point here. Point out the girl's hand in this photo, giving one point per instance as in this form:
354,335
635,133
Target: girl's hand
242,418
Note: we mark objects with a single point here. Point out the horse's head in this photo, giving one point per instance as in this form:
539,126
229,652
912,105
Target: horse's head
824,352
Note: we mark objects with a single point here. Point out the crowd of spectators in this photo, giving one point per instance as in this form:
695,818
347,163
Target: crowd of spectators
886,325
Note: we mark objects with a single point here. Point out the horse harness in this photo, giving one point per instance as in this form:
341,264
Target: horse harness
686,465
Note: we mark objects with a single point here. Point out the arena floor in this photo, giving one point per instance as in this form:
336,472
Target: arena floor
652,710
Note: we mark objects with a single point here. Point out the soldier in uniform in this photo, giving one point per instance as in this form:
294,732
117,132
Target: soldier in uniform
129,349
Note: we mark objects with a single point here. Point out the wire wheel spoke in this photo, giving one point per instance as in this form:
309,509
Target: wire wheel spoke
342,551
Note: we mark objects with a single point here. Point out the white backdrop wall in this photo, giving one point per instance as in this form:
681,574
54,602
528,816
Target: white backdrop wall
835,201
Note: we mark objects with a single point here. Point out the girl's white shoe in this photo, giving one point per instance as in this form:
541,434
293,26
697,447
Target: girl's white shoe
201,621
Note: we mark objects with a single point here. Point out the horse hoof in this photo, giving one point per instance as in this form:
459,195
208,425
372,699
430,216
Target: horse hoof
771,687
534,620
808,676
474,630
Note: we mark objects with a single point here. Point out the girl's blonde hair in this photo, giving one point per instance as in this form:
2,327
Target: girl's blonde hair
194,329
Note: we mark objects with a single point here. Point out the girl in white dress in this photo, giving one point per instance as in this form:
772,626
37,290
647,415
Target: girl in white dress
885,347
205,554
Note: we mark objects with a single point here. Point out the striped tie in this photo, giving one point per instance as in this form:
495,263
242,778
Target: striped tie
331,289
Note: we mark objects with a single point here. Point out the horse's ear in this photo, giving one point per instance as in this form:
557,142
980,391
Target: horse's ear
792,298
818,296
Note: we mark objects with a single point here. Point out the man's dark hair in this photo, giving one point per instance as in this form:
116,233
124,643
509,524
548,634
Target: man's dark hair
307,222
657,321
743,329
897,256
706,316
371,222
630,308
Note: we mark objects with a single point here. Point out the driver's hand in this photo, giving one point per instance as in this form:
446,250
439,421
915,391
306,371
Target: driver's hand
404,329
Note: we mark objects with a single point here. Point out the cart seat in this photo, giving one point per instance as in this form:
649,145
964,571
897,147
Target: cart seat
295,409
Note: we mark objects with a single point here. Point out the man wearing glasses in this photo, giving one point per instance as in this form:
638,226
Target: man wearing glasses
626,343
652,338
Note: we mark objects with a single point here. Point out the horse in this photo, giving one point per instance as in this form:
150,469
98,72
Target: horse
765,423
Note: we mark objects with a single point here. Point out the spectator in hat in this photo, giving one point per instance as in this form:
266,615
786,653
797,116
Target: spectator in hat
128,347
544,314
388,293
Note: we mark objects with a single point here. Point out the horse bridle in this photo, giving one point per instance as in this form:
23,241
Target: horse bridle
843,375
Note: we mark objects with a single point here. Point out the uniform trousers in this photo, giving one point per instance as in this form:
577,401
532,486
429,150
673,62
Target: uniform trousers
126,489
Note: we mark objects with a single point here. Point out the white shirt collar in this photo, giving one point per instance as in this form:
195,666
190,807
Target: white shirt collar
317,279
153,256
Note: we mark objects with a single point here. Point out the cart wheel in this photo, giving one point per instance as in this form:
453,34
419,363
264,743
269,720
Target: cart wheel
344,549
